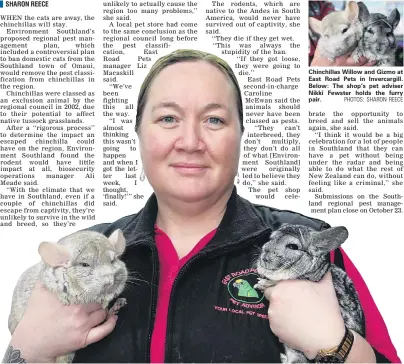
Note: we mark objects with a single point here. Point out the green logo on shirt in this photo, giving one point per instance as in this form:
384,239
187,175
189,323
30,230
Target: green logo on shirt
244,288
241,288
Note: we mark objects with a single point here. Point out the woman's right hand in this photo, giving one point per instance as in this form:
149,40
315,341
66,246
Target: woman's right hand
50,329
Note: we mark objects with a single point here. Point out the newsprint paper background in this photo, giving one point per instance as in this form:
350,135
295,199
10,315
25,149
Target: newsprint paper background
326,142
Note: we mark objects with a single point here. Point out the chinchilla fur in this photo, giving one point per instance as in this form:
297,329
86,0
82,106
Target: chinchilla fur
299,252
378,42
339,32
81,268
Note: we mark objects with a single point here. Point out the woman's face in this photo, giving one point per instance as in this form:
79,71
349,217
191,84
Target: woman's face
190,132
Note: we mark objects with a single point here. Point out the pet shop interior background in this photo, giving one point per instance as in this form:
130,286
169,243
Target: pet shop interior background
321,8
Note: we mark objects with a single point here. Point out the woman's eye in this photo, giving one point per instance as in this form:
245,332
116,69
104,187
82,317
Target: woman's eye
85,265
167,119
215,121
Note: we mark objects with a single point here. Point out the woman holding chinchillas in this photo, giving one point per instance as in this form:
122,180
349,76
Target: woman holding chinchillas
194,243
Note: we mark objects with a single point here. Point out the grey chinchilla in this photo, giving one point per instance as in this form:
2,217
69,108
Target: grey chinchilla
378,42
81,268
339,31
300,252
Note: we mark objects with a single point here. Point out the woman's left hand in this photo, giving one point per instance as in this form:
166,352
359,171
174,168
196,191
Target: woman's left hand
306,315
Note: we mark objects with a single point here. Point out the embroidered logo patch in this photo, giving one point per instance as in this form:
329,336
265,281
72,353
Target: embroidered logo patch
244,298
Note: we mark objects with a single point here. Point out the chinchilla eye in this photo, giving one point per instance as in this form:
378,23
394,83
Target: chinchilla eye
292,246
370,31
85,265
389,34
345,30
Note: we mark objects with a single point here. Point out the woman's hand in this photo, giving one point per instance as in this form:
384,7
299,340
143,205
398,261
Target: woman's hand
345,60
306,315
50,329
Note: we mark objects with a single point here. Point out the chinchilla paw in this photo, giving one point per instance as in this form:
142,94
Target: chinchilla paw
119,303
262,284
284,358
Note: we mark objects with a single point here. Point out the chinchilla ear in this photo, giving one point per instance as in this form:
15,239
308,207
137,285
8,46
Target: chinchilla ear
394,18
352,11
54,255
330,239
363,12
316,25
118,241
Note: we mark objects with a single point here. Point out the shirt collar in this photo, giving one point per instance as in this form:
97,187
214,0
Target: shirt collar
239,223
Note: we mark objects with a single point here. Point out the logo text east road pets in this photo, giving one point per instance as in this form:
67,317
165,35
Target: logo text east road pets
246,299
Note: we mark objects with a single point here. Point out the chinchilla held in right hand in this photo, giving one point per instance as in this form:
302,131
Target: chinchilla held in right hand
300,252
81,268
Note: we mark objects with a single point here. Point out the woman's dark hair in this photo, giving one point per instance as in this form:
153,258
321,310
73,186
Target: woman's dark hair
186,55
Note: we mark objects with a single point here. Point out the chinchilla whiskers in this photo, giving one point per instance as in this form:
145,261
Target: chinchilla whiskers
129,281
285,265
290,268
268,272
257,251
129,287
133,277
254,262
296,274
133,274
255,257
131,284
